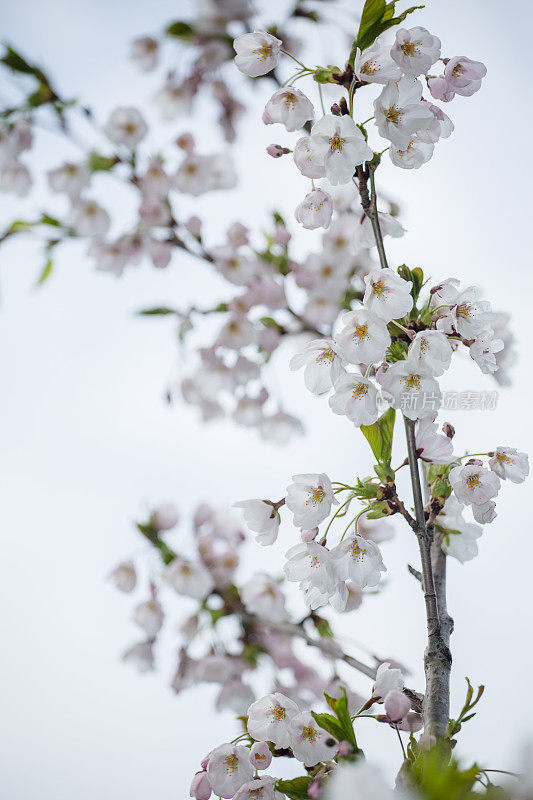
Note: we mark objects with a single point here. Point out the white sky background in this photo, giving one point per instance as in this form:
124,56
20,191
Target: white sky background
88,442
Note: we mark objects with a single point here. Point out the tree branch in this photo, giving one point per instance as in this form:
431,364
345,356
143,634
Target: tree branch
437,656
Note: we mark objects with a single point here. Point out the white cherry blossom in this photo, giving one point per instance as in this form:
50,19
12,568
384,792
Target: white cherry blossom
387,295
375,64
415,50
387,680
269,719
509,464
69,178
358,560
149,616
364,337
261,518
431,350
289,106
261,595
228,769
307,157
257,53
259,789
474,484
338,144
440,127
470,315
399,111
260,755
189,578
414,389
431,445
357,781
310,562
484,512
88,218
463,76
356,398
310,743
126,126
322,365
124,577
315,210
310,498
483,351
411,155
460,536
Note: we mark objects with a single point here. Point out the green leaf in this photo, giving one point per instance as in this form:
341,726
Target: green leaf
377,16
380,435
46,272
416,276
296,788
323,627
99,163
330,724
160,311
46,219
180,30
343,715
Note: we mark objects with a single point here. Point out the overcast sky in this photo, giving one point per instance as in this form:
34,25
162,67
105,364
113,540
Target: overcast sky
88,441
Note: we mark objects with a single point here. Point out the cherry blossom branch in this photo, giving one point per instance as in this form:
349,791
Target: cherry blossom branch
437,656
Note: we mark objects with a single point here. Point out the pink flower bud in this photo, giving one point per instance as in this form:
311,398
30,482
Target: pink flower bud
194,226
200,786
276,150
204,763
475,461
448,430
165,517
397,705
282,235
336,110
308,536
260,755
344,749
315,789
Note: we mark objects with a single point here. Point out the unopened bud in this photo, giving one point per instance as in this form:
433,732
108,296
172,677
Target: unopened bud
344,749
165,517
336,110
397,705
475,462
448,430
200,787
309,535
315,788
276,150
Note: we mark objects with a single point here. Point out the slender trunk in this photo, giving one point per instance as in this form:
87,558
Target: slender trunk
437,656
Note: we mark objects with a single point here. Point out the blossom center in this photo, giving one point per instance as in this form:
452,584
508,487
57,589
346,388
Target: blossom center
504,458
231,763
371,67
393,114
411,48
357,553
309,733
473,482
315,496
263,52
381,290
278,713
359,390
411,381
336,143
457,70
360,333
326,356
290,100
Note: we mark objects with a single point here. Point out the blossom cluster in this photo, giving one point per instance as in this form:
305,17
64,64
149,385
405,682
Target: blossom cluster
276,727
249,615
